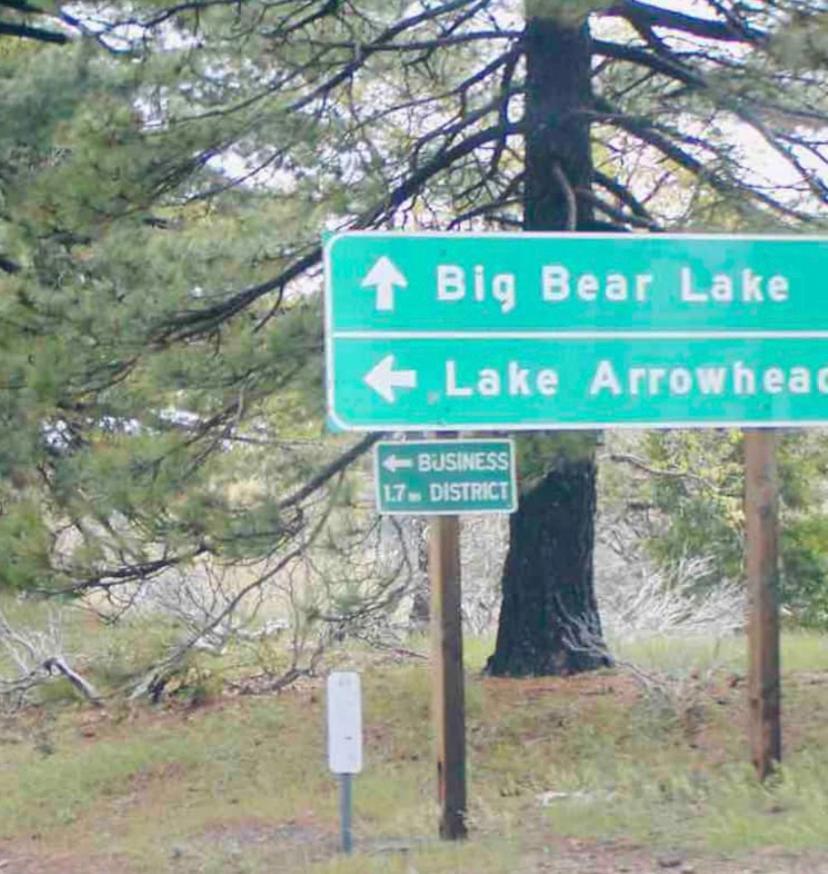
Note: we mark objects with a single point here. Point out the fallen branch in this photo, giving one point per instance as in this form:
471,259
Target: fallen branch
58,664
37,657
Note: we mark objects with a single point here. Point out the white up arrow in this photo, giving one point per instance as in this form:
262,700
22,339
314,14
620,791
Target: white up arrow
395,463
383,379
384,276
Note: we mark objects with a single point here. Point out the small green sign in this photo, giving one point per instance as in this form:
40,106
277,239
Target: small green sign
438,477
531,331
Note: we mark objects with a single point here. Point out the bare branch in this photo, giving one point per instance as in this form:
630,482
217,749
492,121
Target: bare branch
331,470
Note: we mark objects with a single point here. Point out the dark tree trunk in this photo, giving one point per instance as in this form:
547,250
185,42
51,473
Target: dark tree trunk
558,91
549,622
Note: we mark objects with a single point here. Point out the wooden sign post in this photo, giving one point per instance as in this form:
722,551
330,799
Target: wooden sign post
447,655
762,569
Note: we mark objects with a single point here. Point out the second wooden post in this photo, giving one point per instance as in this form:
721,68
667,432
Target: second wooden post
762,570
447,656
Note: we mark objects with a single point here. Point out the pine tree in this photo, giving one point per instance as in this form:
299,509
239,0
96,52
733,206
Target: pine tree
164,178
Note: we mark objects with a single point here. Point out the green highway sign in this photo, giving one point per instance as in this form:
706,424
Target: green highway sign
525,331
438,477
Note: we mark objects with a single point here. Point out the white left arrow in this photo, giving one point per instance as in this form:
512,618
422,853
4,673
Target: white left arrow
395,463
384,277
383,379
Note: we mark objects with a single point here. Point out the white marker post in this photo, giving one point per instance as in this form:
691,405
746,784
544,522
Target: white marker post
344,740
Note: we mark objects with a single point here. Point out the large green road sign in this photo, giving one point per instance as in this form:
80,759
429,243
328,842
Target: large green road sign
525,331
433,477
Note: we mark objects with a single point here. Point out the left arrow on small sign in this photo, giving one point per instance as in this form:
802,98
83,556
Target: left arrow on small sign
383,379
394,463
384,276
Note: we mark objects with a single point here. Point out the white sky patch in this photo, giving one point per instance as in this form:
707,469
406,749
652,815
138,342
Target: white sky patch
253,171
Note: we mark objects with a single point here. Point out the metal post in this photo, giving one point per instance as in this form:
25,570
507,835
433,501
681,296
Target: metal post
345,812
447,654
762,569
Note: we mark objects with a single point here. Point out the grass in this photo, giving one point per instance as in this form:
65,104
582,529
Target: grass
241,784
800,651
210,757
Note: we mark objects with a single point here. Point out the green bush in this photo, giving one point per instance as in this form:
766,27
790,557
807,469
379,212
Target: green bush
691,486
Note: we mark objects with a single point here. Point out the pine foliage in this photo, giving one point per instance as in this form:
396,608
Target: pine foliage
166,171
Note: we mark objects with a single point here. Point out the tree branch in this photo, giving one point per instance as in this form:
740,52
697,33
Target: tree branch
643,129
58,664
189,324
643,15
24,31
657,63
330,470
642,465
624,195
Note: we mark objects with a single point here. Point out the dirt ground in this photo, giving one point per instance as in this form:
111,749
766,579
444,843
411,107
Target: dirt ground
297,846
